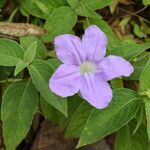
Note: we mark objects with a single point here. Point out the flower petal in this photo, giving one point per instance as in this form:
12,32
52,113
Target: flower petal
65,81
94,42
95,90
69,49
115,66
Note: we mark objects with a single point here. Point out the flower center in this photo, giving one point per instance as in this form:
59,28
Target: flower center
87,67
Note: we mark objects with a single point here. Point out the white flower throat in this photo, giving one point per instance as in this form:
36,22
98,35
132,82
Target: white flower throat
87,67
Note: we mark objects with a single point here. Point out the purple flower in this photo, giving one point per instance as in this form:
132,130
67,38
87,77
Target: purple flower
85,68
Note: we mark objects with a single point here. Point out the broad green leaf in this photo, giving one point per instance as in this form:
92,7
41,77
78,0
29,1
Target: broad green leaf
81,6
87,120
41,51
19,105
146,2
73,103
2,2
43,7
39,8
95,4
88,12
57,3
145,79
139,65
60,21
20,66
126,140
78,120
130,50
54,63
41,72
144,88
113,41
29,54
53,115
73,3
139,117
10,52
49,112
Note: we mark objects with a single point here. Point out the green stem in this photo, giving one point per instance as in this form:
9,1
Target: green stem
85,13
10,80
12,15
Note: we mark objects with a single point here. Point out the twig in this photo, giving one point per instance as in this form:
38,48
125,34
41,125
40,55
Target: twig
20,29
135,14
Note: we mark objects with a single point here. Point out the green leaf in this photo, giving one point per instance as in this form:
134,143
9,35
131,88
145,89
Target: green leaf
127,141
113,5
20,66
2,2
60,21
54,63
10,52
41,72
144,87
138,32
41,51
53,115
40,8
95,4
146,2
145,79
87,6
49,112
130,50
87,120
123,23
73,103
29,54
73,3
43,7
92,5
139,65
139,117
57,3
19,105
88,12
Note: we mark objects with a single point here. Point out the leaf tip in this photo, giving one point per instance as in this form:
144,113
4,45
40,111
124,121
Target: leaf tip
80,144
